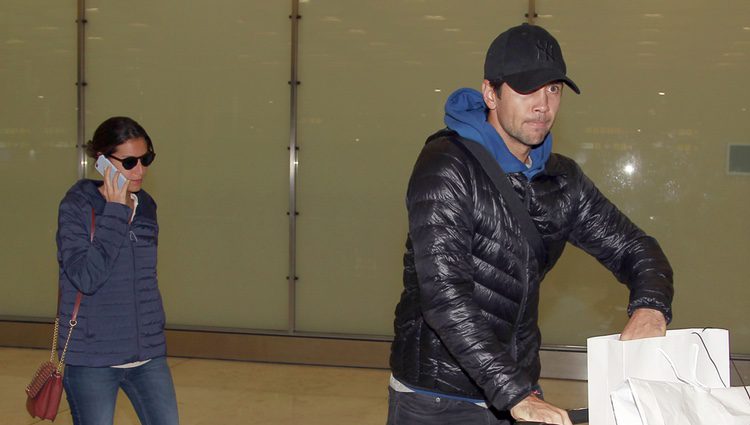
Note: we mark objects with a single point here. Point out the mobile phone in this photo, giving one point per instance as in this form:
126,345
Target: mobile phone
102,163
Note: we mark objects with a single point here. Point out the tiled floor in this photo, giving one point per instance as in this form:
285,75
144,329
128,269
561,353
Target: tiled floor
211,392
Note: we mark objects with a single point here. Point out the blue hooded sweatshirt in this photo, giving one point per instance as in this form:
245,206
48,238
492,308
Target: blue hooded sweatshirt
466,114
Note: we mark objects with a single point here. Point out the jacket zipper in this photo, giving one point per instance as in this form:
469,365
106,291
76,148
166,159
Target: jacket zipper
524,298
522,308
133,240
526,196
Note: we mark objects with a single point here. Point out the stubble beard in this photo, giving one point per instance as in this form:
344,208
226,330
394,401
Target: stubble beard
526,140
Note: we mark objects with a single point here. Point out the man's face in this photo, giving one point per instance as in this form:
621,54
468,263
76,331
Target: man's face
524,118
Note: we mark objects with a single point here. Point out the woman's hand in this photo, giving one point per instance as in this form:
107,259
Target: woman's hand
111,192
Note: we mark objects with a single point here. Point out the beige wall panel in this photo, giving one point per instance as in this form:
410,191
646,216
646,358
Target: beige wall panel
37,147
208,80
662,96
375,76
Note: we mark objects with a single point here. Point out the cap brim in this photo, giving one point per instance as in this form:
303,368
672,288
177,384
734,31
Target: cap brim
529,81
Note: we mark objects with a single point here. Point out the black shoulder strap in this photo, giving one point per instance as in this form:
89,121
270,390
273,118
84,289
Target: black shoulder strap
501,183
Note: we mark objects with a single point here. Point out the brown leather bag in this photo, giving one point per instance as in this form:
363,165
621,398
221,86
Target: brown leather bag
45,390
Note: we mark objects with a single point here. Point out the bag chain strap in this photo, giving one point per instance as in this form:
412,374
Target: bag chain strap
60,364
54,339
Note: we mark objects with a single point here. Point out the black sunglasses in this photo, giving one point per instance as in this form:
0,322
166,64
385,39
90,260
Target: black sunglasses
130,162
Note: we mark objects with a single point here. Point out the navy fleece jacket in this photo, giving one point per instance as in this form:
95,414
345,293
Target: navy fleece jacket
121,318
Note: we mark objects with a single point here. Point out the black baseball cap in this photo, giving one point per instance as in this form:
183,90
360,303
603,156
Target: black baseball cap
526,57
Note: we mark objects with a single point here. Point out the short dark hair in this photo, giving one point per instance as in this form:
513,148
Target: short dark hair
495,84
113,132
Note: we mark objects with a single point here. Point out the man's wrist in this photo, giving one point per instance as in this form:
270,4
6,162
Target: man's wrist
655,313
665,311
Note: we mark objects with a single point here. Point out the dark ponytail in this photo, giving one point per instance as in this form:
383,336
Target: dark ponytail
114,132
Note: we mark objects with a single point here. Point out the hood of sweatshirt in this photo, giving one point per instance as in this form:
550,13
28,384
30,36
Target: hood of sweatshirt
466,114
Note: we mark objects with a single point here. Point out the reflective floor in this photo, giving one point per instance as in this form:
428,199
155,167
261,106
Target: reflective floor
227,392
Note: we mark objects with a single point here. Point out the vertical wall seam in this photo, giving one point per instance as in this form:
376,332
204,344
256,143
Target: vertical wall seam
531,15
293,149
81,88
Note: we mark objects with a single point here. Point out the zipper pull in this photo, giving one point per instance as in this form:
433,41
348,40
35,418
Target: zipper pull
132,236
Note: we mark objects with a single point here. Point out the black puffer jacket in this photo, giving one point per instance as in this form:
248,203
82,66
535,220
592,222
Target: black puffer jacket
467,320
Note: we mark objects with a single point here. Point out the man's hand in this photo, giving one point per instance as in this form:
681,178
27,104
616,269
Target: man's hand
534,409
644,323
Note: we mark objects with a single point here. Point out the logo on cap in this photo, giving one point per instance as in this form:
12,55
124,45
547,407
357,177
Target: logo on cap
545,51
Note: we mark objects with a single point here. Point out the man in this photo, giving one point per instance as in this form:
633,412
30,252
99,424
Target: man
466,346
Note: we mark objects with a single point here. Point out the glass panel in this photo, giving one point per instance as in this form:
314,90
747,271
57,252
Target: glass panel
374,81
38,158
209,82
662,96
662,99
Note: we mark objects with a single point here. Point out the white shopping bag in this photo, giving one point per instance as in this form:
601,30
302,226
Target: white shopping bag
624,407
644,402
611,362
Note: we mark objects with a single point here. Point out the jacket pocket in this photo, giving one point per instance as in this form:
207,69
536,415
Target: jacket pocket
145,233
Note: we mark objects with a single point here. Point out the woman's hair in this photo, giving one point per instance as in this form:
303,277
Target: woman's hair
114,132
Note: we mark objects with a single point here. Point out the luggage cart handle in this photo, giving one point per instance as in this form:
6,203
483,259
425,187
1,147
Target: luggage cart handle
577,416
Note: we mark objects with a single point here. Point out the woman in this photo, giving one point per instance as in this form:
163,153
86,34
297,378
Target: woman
106,248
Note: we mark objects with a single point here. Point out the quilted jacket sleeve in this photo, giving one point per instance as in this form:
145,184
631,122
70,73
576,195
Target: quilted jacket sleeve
87,265
635,258
440,207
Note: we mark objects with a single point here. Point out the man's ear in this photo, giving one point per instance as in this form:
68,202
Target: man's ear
489,95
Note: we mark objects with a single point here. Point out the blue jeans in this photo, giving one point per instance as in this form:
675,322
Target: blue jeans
422,409
92,393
